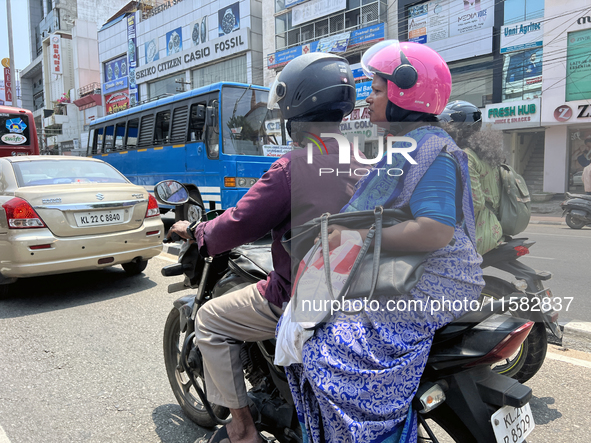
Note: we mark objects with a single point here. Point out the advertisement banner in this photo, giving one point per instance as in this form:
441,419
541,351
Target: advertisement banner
117,101
578,65
152,52
370,34
281,58
438,20
334,43
56,54
7,85
315,9
522,72
358,73
115,75
363,90
132,62
229,19
520,36
174,41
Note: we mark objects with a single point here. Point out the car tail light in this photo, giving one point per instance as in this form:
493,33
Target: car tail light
507,347
153,209
21,215
521,250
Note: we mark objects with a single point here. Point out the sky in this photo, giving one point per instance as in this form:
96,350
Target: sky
20,36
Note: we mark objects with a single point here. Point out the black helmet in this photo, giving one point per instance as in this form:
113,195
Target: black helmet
315,86
460,111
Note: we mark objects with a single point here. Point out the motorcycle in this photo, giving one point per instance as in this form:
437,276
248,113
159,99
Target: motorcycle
528,299
577,209
459,394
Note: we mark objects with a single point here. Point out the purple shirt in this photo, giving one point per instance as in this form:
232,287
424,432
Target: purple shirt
291,191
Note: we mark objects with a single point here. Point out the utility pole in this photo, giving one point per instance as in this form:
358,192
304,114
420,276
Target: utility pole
11,55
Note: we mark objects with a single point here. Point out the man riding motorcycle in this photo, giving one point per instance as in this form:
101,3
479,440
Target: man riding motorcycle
314,91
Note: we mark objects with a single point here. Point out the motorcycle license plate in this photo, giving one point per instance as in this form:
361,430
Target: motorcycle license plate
512,425
97,218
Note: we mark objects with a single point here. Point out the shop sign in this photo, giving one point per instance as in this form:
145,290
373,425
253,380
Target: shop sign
315,9
334,43
132,61
362,36
563,113
56,53
363,90
357,123
158,9
517,114
520,36
358,73
7,85
189,58
578,65
115,75
583,20
118,101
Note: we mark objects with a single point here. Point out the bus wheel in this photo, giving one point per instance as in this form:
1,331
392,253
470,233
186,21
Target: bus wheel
189,211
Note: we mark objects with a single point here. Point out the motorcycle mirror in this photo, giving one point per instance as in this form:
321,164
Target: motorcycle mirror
171,192
211,116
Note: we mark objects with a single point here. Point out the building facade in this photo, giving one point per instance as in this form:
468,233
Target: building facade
177,47
63,40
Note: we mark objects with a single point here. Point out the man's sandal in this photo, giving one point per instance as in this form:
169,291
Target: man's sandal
220,436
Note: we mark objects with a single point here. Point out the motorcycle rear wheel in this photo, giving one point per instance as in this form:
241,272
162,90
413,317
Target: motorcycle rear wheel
530,356
574,222
180,383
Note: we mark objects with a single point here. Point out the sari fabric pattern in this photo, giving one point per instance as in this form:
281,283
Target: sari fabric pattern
360,372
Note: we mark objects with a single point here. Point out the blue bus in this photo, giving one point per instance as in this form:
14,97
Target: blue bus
218,140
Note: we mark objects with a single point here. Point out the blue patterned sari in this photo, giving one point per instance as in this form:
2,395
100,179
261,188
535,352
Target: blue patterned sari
360,373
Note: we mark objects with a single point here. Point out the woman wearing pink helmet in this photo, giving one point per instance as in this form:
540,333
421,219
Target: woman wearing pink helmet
360,372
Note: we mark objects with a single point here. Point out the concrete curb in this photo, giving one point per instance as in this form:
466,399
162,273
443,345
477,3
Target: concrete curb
546,222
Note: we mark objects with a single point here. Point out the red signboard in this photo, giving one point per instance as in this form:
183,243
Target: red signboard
7,85
117,101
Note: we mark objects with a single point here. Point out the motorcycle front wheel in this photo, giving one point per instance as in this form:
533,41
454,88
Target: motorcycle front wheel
529,358
179,380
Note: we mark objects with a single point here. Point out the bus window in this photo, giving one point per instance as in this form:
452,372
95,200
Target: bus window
89,145
213,133
132,126
146,130
119,133
162,127
248,127
179,124
98,143
109,131
196,123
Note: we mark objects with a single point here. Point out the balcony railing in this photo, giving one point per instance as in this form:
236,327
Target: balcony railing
89,89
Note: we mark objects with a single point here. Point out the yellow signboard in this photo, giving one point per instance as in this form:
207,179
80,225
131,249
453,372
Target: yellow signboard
6,62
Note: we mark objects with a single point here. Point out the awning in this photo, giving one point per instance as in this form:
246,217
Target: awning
88,101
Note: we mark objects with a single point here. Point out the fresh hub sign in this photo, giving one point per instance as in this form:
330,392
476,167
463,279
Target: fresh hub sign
215,49
516,114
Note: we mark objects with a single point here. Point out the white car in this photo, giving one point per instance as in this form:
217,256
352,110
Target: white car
63,214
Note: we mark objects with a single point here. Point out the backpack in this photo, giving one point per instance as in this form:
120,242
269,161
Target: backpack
515,206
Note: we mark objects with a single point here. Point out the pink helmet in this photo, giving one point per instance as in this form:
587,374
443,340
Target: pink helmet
418,78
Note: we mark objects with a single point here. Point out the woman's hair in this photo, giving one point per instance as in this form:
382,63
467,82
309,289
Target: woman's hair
488,146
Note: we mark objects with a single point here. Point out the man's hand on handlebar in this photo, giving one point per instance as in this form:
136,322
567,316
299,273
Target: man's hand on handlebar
179,229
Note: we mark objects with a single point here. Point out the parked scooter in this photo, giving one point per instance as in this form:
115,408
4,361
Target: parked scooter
458,391
577,209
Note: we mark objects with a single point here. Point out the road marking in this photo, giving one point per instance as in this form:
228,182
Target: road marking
560,235
541,258
563,358
3,437
163,256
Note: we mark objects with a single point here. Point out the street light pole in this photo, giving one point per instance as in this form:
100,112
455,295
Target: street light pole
11,55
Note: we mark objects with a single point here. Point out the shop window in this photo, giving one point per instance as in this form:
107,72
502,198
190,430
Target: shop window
580,157
522,74
167,86
471,82
521,10
233,70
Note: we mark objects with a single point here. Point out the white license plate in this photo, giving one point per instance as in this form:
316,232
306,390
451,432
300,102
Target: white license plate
97,218
512,425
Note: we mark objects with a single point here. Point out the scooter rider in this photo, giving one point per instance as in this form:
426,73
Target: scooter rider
314,91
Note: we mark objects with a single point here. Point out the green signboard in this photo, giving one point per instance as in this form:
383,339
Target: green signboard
578,73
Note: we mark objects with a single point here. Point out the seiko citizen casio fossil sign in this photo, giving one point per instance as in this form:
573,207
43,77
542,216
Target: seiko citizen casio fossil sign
214,49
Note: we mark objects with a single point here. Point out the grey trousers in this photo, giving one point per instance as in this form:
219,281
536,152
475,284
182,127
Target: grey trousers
222,324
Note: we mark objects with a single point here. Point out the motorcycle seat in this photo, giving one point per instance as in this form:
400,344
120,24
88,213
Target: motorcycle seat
583,196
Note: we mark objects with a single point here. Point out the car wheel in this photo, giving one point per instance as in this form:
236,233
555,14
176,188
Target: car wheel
135,267
4,290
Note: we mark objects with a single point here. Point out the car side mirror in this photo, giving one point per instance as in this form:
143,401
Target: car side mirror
171,192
